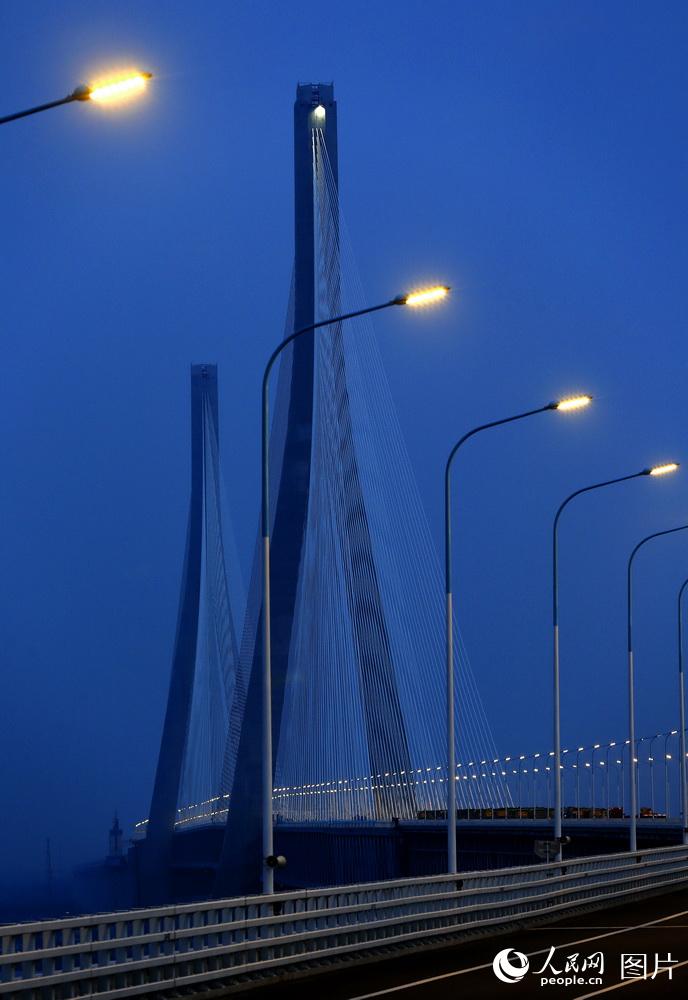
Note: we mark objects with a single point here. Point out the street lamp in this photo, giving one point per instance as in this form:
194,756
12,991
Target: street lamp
638,761
507,792
667,758
548,770
651,763
577,767
521,771
657,470
495,792
562,767
682,725
609,747
596,746
587,763
107,92
415,299
605,779
565,405
536,772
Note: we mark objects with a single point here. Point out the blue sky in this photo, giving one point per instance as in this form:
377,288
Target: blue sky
533,155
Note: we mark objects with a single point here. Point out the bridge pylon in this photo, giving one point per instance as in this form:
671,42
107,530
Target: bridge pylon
316,283
204,678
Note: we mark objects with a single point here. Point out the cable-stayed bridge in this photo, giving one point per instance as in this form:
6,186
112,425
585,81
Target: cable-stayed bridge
357,606
360,791
358,690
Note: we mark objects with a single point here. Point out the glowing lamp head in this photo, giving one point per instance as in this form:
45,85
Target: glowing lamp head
119,89
424,296
573,403
662,470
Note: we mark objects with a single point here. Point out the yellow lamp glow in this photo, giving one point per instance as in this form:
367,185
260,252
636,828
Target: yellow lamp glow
574,403
116,90
662,470
425,296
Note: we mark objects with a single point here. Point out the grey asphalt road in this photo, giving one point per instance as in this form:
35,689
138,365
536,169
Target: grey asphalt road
657,926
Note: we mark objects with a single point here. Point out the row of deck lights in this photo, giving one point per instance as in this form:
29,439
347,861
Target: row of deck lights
510,758
351,785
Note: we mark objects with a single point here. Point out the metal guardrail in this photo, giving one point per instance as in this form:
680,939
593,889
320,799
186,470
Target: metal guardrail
148,952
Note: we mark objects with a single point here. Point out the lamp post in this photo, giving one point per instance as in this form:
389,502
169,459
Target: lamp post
655,471
536,772
507,791
521,771
659,470
651,763
412,299
572,403
587,763
682,724
561,770
605,779
609,747
667,758
548,769
596,746
637,762
495,792
577,767
106,93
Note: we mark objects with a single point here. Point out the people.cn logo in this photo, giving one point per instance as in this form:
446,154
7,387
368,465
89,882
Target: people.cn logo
510,966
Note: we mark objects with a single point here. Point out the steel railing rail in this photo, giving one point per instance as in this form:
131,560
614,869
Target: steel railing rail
139,952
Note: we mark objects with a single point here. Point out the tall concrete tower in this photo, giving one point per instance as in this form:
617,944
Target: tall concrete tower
240,866
157,850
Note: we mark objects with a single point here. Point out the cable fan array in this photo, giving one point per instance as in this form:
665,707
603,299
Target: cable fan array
220,680
362,732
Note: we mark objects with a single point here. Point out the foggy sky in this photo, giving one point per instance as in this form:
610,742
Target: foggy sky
532,155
